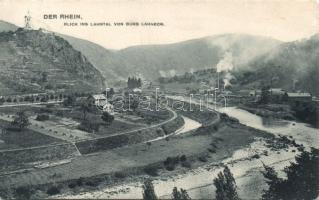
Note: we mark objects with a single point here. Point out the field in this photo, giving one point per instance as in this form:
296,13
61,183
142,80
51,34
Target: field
25,138
118,150
25,158
204,145
133,137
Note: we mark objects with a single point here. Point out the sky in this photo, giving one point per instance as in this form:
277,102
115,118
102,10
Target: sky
285,20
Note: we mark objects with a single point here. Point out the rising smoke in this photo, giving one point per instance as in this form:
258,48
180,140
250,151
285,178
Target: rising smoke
226,65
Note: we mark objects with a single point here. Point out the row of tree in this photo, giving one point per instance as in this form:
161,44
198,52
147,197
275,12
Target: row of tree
301,182
133,82
45,97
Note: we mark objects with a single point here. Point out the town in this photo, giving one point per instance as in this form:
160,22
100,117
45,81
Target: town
227,117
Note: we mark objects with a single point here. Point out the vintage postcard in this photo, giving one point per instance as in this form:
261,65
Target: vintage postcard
152,99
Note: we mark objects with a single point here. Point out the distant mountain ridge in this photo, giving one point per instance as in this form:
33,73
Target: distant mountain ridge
257,60
153,61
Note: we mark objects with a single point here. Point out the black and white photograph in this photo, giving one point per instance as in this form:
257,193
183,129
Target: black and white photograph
159,99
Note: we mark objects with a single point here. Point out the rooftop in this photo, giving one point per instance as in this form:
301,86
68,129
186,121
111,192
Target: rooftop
298,94
99,97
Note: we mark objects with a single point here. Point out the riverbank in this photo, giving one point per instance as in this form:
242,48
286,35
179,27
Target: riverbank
85,174
243,163
198,181
277,111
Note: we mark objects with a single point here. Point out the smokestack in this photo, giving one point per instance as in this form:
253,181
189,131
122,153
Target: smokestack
226,65
294,81
218,80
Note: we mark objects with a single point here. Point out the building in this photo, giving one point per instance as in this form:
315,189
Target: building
108,108
254,93
295,98
137,90
98,99
277,94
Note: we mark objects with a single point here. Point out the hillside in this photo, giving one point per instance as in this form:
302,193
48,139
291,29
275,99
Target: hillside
153,61
257,60
96,54
5,26
37,61
290,65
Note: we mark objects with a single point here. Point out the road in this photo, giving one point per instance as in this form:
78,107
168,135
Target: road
29,104
72,140
194,101
138,129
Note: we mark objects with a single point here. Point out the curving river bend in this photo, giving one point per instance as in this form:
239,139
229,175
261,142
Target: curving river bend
249,180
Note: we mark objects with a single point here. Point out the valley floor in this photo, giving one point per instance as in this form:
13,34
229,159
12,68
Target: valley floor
115,165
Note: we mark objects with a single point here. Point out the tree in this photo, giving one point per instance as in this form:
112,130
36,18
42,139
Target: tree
274,190
109,93
44,77
85,108
107,117
303,175
20,120
148,190
134,82
180,195
225,184
70,100
2,100
139,82
133,104
302,179
307,112
265,95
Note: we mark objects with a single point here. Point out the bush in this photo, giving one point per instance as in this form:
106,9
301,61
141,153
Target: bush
89,126
186,164
49,105
151,170
183,158
211,150
69,101
72,185
53,190
60,113
119,174
42,117
93,183
202,158
107,117
79,182
256,156
171,162
23,193
46,110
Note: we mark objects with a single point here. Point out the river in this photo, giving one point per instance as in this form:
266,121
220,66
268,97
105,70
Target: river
198,182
